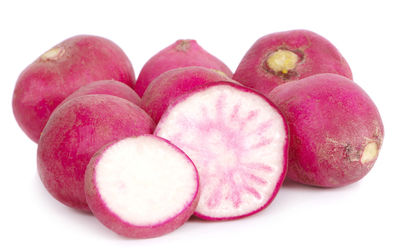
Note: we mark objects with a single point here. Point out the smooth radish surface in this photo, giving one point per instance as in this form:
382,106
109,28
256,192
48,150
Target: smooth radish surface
60,71
108,87
182,53
336,131
74,132
238,142
173,83
142,186
286,56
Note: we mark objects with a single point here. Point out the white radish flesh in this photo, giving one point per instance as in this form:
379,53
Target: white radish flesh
142,187
238,142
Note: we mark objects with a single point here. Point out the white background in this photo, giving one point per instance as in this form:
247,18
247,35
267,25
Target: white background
363,216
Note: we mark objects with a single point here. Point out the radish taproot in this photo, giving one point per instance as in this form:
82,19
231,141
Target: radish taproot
182,53
173,83
74,132
336,131
286,56
238,141
60,71
141,187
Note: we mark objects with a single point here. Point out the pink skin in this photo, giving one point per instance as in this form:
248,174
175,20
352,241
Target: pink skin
108,87
316,55
331,120
236,144
118,225
45,83
74,132
174,83
182,53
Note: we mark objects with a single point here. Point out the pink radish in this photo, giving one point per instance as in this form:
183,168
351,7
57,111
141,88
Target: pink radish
108,87
238,142
141,187
286,56
182,53
174,83
75,131
60,71
336,131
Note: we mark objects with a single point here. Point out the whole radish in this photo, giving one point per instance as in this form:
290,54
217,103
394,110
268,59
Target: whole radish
182,53
75,131
171,84
60,71
108,87
336,131
286,56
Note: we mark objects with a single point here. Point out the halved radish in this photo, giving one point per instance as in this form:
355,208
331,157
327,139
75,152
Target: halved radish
141,187
238,141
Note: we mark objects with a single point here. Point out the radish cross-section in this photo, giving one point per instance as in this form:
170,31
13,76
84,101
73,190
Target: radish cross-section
142,187
238,142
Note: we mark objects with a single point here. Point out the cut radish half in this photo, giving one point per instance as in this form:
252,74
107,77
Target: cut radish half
141,187
238,142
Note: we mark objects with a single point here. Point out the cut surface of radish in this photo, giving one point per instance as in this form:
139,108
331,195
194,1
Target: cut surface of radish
142,186
238,142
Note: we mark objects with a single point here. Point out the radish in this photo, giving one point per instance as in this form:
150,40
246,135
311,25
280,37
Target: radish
238,142
60,71
75,131
286,56
182,53
174,83
108,87
336,131
141,187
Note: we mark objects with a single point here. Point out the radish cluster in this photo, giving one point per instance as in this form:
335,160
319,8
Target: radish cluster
189,138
